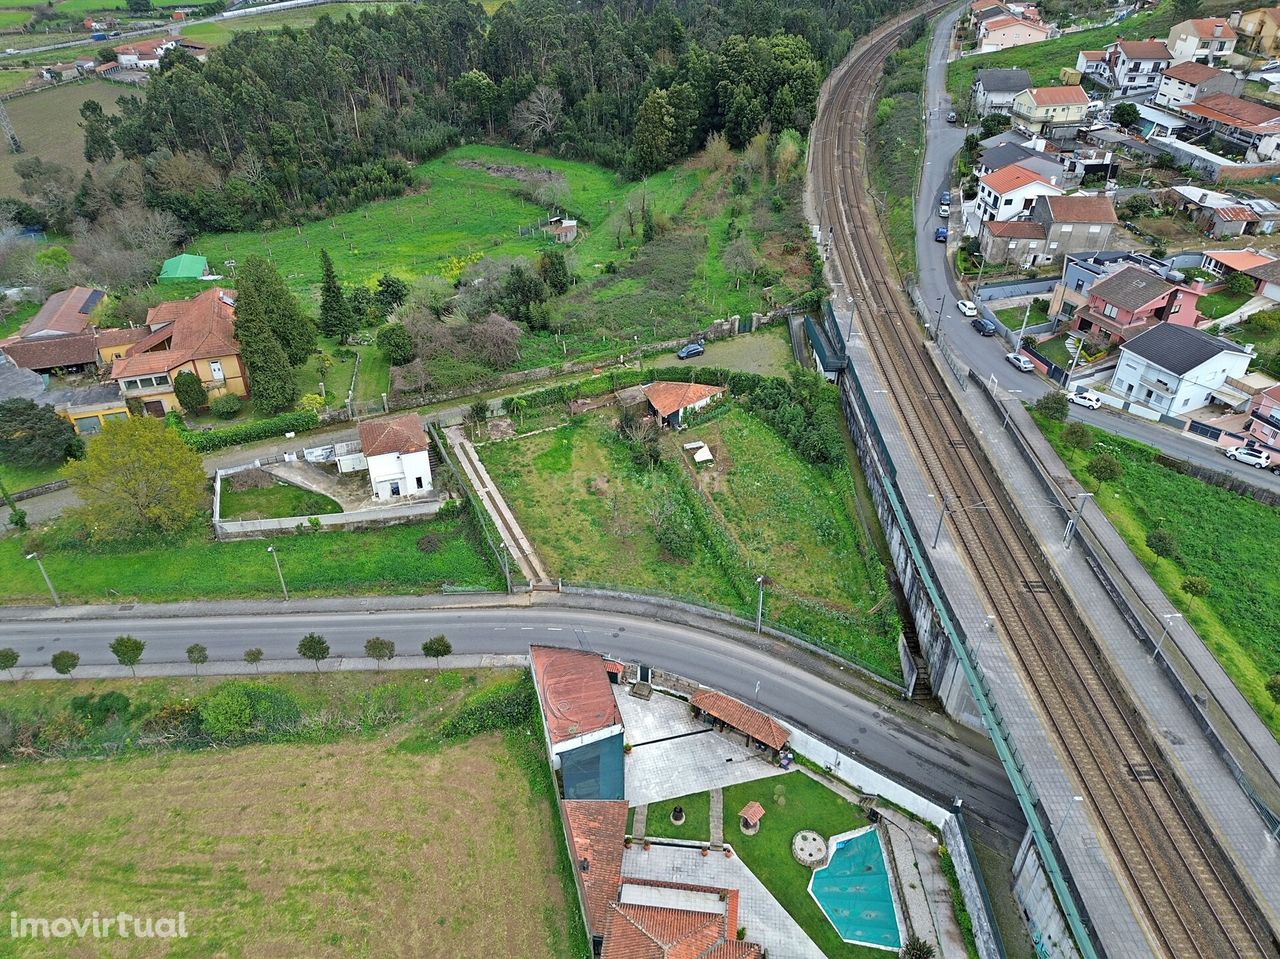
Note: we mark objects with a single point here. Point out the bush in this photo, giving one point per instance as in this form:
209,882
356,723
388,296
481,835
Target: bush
1077,435
227,406
311,402
1197,586
226,713
1239,284
1162,543
1053,406
503,706
396,344
1104,468
99,710
251,432
1273,686
190,391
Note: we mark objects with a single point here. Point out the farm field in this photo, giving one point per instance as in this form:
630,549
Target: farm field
1218,536
314,564
46,123
261,847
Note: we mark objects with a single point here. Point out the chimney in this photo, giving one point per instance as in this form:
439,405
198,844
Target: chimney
1234,18
1217,29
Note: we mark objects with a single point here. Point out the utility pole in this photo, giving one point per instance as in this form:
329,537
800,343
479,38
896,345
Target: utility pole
937,530
1026,315
759,604
57,601
1074,521
1168,618
10,134
276,556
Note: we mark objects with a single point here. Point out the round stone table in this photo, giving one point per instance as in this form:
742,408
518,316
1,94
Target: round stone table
808,848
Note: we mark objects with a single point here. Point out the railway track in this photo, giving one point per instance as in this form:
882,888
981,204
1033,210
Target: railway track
1180,885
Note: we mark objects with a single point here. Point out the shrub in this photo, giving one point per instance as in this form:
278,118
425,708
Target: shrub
1077,435
312,402
1239,284
99,710
1273,686
1197,586
313,647
227,406
190,391
1104,468
251,432
1162,543
1052,406
179,717
226,713
64,662
502,706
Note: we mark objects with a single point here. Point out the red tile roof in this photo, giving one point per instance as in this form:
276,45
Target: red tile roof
596,831
1015,229
742,717
1011,178
50,352
121,336
656,932
1242,260
1093,55
1204,27
1144,49
202,327
574,690
400,434
752,812
1234,112
145,49
1191,72
64,312
1059,96
1082,209
668,398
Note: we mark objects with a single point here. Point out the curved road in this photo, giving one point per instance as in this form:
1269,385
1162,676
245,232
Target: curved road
879,733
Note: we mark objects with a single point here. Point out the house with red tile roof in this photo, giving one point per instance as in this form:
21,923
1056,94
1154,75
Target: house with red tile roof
196,335
581,720
1012,241
1127,67
595,831
1051,111
1188,81
61,335
1207,40
143,54
759,728
670,401
1251,126
1003,32
397,455
1075,223
1010,192
1133,300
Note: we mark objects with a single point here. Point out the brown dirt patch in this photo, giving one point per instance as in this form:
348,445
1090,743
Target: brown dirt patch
323,851
528,175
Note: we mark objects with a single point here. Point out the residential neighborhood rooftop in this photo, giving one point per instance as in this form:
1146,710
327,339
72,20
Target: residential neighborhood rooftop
577,697
596,830
740,716
1178,349
65,312
183,330
1016,229
1003,81
1059,96
401,434
1233,111
1012,177
1131,289
667,397
1082,209
1143,49
1216,27
1191,72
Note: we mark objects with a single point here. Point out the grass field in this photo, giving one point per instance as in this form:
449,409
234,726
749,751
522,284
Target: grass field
1013,316
809,805
314,564
220,32
337,380
13,18
1219,535
263,849
46,123
1219,304
24,477
697,818
275,502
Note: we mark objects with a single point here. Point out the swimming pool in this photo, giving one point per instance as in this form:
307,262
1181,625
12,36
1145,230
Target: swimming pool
853,890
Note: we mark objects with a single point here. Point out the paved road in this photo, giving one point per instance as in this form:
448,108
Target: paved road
985,355
879,733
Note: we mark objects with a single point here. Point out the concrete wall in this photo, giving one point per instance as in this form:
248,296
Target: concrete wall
956,838
1031,889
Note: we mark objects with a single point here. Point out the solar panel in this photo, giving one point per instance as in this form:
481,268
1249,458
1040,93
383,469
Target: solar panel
91,301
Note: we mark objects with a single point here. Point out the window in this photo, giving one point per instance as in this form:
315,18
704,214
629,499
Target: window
215,369
1176,308
130,384
1008,202
1109,310
1053,246
1095,229
418,480
86,425
1079,286
1067,227
162,379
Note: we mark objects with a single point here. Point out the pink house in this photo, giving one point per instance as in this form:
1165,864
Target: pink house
1133,300
1264,417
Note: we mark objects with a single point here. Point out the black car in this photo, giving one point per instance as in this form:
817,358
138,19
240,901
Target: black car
983,326
690,350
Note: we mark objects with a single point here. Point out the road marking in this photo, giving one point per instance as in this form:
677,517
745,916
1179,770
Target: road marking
555,629
526,627
496,628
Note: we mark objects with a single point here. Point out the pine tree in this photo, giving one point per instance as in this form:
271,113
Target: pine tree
261,284
555,272
272,384
336,318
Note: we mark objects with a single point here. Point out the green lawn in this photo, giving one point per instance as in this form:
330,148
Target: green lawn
315,564
1220,536
809,805
587,509
1055,350
1011,316
697,818
338,378
375,373
794,523
275,502
21,313
1219,304
17,478
13,18
46,123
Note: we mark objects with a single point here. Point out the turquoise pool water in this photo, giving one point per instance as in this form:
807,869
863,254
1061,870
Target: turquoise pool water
853,890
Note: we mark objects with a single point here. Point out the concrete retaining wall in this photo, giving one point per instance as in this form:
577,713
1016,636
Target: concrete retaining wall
974,891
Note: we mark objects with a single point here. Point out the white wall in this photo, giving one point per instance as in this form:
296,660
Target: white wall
1188,391
411,472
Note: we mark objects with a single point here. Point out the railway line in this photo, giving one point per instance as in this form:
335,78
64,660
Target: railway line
1180,884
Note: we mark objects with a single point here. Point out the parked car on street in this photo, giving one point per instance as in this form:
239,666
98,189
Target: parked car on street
1019,361
951,117
967,307
940,234
1249,456
690,350
1086,398
944,210
945,198
983,326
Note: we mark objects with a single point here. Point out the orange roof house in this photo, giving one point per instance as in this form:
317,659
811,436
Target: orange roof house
671,400
736,714
196,335
581,719
595,831
400,434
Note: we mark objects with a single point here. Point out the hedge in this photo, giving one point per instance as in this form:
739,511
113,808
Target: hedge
251,432
501,706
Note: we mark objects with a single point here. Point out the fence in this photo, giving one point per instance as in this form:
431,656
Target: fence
1013,288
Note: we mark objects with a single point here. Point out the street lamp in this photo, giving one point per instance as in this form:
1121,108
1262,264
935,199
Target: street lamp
276,556
1076,802
47,581
759,603
1168,619
1074,521
942,300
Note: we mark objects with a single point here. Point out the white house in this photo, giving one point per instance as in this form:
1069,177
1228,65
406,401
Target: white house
1001,33
1173,368
1011,192
396,450
1207,40
144,54
1183,82
994,89
1126,66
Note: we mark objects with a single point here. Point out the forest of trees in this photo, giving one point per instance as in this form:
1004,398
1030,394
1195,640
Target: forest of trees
298,123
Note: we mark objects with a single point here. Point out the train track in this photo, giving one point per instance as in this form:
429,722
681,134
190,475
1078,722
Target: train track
1181,887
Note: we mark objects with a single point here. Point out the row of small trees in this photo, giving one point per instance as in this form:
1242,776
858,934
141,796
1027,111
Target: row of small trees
128,651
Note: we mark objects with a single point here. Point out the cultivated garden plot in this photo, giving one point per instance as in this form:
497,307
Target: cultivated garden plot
259,844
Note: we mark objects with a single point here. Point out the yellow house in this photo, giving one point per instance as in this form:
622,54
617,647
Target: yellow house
1046,110
197,335
87,410
1259,31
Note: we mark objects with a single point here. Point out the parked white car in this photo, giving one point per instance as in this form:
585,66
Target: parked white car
1258,459
944,210
967,307
1086,398
1020,362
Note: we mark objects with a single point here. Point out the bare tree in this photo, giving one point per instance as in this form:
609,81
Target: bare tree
536,117
739,258
493,340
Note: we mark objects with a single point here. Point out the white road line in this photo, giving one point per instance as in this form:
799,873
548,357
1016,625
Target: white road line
555,629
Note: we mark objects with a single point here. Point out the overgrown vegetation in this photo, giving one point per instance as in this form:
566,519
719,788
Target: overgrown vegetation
1207,535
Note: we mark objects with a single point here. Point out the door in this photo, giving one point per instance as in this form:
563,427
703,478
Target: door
215,369
644,673
154,408
395,489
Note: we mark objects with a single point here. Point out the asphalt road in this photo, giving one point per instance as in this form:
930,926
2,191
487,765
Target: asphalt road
875,732
939,290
